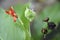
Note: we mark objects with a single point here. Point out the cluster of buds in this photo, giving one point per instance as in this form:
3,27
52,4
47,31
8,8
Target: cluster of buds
51,25
12,13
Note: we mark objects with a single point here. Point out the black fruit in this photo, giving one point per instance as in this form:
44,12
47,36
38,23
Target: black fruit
51,25
46,19
44,31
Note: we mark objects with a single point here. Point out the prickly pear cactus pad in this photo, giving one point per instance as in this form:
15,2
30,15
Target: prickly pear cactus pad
20,30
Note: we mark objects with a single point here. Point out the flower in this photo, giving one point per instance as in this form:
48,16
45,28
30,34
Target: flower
12,13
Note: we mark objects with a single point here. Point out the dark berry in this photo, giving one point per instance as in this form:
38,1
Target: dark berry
46,19
44,31
51,25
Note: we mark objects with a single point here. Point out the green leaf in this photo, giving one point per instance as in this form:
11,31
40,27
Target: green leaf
10,30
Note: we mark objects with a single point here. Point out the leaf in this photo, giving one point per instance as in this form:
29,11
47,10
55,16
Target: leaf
18,30
10,30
